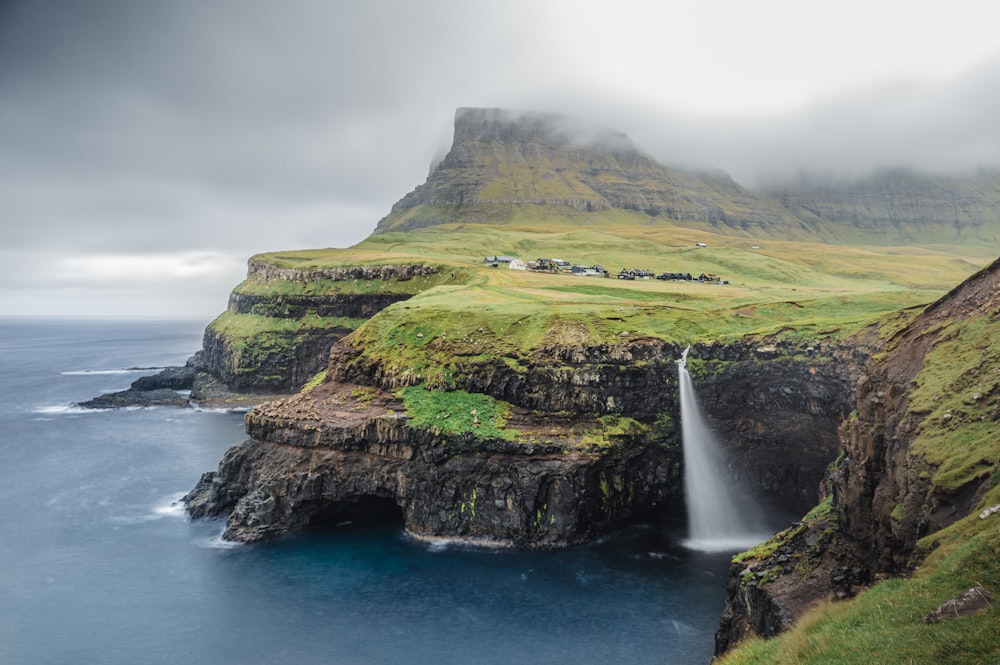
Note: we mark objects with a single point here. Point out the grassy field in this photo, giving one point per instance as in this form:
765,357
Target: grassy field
795,290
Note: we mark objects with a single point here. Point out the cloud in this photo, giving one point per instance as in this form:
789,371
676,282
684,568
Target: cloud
227,128
935,126
102,268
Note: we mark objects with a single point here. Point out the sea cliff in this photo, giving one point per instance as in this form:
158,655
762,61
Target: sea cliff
562,469
540,409
917,456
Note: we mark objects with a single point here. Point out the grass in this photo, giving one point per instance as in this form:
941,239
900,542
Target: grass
457,412
884,625
959,437
256,285
246,327
315,381
468,313
958,434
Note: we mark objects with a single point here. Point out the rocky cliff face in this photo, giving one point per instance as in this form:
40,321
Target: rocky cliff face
778,405
323,451
281,322
350,440
501,159
889,492
916,455
899,206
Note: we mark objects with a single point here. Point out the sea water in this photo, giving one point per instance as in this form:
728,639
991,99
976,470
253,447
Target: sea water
99,563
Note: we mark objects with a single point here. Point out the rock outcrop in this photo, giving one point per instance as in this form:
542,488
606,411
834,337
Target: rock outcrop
559,481
281,322
188,385
318,453
168,387
898,477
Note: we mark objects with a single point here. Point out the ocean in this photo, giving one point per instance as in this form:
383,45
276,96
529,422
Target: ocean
100,564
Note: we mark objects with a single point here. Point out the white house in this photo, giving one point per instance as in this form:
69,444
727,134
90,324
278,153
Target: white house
518,264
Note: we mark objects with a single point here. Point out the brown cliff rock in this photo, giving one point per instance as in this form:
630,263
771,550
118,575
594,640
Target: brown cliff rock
882,495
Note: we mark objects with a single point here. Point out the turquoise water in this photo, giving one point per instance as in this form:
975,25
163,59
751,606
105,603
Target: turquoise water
100,564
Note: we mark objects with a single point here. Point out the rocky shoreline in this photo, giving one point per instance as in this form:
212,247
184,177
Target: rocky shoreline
186,385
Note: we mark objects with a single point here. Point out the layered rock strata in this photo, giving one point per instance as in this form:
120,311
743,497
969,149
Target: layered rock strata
349,440
899,206
321,451
281,322
501,158
881,494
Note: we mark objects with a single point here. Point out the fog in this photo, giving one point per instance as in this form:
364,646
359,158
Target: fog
150,148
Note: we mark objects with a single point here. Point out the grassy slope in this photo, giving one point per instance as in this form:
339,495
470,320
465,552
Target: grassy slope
807,289
885,624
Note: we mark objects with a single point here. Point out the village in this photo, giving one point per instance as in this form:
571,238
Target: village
555,265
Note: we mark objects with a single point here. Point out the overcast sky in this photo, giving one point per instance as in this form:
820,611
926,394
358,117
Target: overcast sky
147,149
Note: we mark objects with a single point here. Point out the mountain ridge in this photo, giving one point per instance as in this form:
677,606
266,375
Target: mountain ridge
502,161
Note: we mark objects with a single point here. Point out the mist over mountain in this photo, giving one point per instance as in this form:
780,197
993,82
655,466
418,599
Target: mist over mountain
501,161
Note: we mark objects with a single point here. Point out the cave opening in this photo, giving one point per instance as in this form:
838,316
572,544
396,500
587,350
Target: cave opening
361,510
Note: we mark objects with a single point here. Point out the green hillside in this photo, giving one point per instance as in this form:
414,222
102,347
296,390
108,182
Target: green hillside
791,289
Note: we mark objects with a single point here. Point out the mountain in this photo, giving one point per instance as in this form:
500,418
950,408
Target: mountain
500,160
506,164
901,206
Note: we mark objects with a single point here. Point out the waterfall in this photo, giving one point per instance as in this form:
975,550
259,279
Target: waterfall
721,516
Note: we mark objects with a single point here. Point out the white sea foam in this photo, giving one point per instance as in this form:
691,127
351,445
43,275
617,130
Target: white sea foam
724,544
196,406
217,542
130,370
172,506
658,556
440,543
169,507
61,409
682,628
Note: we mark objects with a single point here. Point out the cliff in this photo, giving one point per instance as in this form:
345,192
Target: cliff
281,321
899,206
918,462
540,410
576,443
503,159
555,176
331,449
